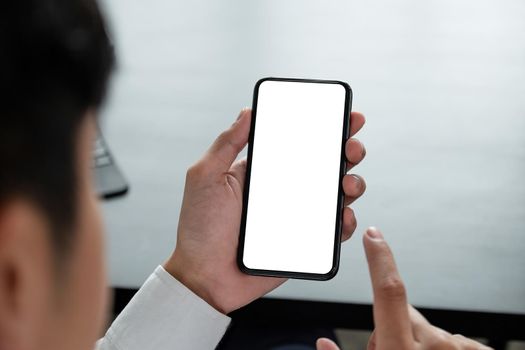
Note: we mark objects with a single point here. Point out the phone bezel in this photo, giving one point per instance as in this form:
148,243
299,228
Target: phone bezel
340,199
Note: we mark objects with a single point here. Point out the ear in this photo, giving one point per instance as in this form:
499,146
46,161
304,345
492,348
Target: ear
25,274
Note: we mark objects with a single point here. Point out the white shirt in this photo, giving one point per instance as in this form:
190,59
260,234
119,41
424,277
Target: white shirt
165,314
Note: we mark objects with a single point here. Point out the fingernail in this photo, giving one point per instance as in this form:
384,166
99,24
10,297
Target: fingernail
363,152
374,233
358,180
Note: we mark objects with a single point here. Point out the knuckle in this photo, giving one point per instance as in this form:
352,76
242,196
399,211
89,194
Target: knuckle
393,288
196,171
458,337
441,340
223,137
465,343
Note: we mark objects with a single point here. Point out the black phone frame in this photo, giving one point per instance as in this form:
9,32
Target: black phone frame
340,200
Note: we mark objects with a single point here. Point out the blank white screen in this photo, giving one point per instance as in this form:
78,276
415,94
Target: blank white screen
292,206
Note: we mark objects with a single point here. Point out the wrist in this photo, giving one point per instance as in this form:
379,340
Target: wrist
194,281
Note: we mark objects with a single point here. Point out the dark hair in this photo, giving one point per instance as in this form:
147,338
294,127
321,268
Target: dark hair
55,62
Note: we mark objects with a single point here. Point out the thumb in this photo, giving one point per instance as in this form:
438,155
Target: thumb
223,152
326,344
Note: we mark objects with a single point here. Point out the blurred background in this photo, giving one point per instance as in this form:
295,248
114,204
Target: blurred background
442,84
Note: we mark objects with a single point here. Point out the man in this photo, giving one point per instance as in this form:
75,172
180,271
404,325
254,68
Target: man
55,62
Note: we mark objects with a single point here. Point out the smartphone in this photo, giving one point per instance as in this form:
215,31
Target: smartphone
293,197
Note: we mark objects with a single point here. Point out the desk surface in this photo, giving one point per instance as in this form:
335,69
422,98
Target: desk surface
441,83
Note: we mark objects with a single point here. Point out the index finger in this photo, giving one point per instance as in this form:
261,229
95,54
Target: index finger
357,120
391,318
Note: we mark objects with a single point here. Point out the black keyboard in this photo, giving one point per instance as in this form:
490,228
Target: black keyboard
101,156
109,181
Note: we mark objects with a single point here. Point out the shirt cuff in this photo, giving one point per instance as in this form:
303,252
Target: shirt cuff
165,314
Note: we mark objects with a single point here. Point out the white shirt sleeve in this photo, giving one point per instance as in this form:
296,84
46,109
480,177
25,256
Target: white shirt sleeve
165,314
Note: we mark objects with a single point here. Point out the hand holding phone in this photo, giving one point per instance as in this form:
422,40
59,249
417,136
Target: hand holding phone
208,231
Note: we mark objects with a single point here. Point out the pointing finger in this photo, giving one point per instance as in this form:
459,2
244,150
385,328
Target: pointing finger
392,322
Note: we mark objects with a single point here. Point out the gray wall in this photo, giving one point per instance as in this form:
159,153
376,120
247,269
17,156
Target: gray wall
441,84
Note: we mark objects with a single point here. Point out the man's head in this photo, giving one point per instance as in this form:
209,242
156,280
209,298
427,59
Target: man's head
55,62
